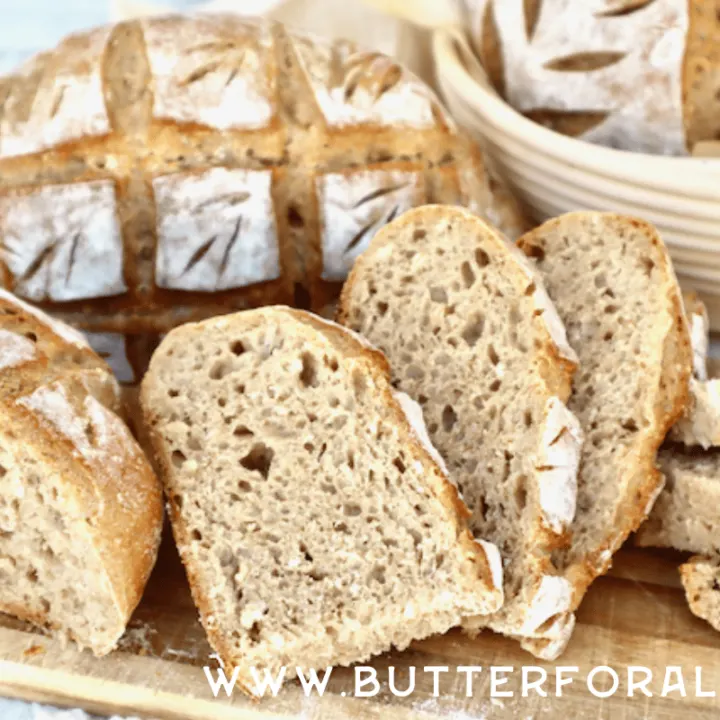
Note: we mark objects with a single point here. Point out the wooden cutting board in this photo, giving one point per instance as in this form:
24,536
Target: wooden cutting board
635,616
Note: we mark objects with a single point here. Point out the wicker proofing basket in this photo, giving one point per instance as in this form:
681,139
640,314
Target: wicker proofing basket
553,174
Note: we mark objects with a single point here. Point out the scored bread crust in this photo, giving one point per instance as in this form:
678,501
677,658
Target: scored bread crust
484,557
110,482
560,434
213,163
645,481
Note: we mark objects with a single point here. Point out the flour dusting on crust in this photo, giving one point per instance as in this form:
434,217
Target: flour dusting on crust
354,205
364,88
15,350
633,78
68,79
216,230
67,333
63,242
214,70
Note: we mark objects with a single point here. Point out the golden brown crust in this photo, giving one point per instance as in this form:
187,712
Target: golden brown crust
297,145
114,486
701,73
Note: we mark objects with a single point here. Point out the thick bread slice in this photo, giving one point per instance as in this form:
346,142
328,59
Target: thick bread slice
613,284
315,527
700,424
472,336
686,515
700,577
80,508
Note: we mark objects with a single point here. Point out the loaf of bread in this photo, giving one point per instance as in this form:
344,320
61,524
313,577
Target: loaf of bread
315,521
612,282
80,507
686,515
700,577
639,75
169,169
472,337
700,424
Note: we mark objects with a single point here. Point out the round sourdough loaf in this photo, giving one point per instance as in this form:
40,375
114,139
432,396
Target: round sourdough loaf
168,169
639,75
81,509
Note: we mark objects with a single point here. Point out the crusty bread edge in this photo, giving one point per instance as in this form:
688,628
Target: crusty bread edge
688,572
127,581
647,480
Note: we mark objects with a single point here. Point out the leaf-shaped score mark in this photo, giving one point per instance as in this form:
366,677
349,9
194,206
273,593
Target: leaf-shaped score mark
229,199
567,122
205,248
379,193
378,220
57,102
73,256
624,7
46,257
584,62
224,57
373,72
381,216
532,13
40,261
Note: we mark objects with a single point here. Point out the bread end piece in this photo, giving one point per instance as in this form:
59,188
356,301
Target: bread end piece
700,577
80,508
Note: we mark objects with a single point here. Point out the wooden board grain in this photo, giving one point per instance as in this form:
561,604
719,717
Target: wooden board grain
637,615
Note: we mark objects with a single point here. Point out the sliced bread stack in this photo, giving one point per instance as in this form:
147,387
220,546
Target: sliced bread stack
80,508
316,523
614,287
472,337
687,514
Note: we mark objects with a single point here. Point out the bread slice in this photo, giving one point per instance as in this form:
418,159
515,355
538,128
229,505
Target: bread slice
80,508
686,515
472,336
700,424
700,577
314,524
612,282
